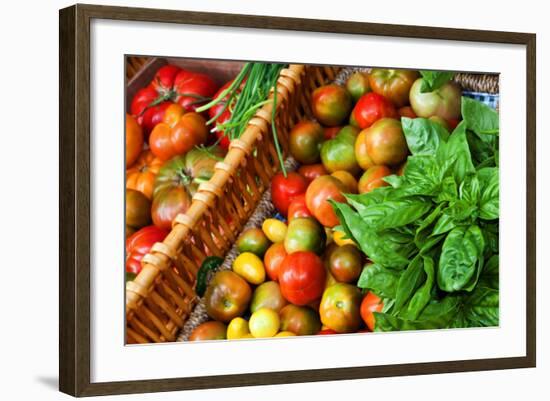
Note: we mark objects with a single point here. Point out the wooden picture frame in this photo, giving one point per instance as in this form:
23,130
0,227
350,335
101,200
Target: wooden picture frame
75,207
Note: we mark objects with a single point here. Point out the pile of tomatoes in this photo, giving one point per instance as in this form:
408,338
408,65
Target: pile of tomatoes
298,275
164,162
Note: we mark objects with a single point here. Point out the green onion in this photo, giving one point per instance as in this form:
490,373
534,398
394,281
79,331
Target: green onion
243,102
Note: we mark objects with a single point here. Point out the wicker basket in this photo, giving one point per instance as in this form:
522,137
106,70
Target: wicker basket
162,296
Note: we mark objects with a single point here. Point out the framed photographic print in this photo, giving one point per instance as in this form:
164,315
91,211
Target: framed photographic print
266,199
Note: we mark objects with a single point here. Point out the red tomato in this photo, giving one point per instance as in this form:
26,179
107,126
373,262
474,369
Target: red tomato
371,303
298,208
284,190
372,107
139,244
193,88
302,277
170,84
163,81
146,115
319,192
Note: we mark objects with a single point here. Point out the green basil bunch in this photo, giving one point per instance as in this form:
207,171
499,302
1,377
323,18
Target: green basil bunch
432,234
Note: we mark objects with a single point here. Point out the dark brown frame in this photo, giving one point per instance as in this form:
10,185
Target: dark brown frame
74,198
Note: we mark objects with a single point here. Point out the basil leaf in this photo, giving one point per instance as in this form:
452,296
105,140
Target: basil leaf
489,201
479,117
483,153
480,309
423,231
449,190
461,210
444,224
421,298
433,80
378,279
391,214
381,248
423,136
490,275
457,148
436,315
470,190
459,256
408,282
422,176
394,180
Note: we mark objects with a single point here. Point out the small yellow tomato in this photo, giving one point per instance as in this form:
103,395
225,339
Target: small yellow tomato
247,335
264,322
338,237
237,328
274,230
285,334
250,267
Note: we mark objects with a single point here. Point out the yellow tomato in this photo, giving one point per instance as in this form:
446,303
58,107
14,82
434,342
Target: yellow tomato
264,322
247,335
237,328
274,230
338,237
250,267
285,334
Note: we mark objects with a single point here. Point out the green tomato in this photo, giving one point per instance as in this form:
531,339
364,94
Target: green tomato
338,154
253,240
305,234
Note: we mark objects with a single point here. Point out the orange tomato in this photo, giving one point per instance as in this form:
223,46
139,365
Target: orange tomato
134,140
371,303
141,175
178,133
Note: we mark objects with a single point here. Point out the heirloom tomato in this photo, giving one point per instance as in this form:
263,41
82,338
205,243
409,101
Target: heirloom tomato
139,244
300,320
211,330
305,141
318,194
340,308
267,295
346,263
394,85
138,209
177,181
178,133
385,142
302,277
331,104
253,240
141,175
443,102
358,84
227,296
305,234
338,153
373,178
